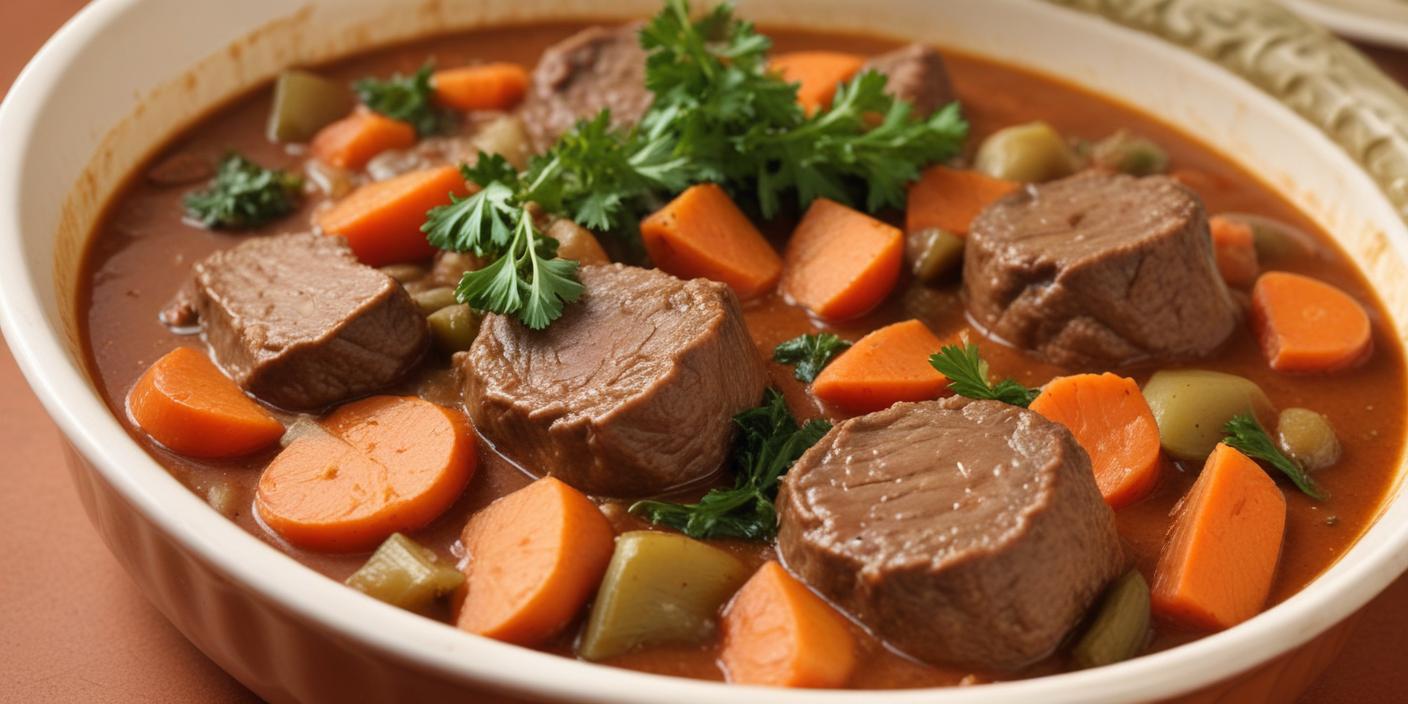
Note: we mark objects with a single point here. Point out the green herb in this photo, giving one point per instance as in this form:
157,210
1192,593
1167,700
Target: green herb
243,194
770,442
811,353
406,98
968,376
1244,433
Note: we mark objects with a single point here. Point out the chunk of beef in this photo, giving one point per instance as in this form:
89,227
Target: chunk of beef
915,73
597,68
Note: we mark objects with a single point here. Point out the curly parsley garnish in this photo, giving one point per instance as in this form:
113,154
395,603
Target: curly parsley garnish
406,98
811,353
967,374
243,195
1245,434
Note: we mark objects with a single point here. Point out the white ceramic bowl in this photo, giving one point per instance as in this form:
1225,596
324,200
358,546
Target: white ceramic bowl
124,74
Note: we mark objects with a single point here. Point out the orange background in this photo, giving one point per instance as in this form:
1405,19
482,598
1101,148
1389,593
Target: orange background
74,628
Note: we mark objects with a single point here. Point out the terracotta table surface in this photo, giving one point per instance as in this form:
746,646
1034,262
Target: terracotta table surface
74,628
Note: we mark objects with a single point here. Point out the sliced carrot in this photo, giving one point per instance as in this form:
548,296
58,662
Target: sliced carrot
776,632
1215,572
887,366
382,220
1306,325
383,465
535,557
702,234
187,404
352,141
493,86
1109,417
1234,245
818,72
949,199
840,262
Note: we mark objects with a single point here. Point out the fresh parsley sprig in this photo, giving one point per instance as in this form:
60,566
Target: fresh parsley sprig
967,374
1244,433
406,98
243,195
810,353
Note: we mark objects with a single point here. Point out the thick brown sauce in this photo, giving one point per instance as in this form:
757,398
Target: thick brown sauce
142,254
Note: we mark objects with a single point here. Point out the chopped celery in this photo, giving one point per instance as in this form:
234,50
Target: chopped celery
1120,627
303,104
405,574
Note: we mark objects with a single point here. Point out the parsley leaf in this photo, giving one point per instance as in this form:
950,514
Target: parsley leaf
811,353
1244,433
406,98
968,376
243,194
769,443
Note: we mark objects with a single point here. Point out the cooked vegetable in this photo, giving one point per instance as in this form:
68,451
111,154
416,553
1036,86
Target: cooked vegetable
1216,569
933,253
702,234
817,74
1308,326
386,464
535,557
967,374
352,141
840,262
1129,153
883,368
453,328
769,442
1234,246
1308,438
243,195
576,243
305,103
507,137
1120,627
405,574
949,199
404,273
809,353
408,99
185,402
492,86
1192,405
381,220
1274,239
776,632
1111,420
1245,433
433,299
1030,153
659,588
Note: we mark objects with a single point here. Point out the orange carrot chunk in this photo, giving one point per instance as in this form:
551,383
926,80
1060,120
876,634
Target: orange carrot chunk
1216,569
493,86
1306,325
949,199
702,234
382,220
381,465
840,262
1109,417
535,557
187,404
352,141
777,633
1234,245
887,366
818,72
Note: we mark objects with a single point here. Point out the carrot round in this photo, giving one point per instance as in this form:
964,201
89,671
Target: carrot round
352,141
776,632
1306,325
949,199
185,402
1109,417
535,557
382,220
702,234
840,262
492,86
818,73
887,366
384,465
1216,570
1234,246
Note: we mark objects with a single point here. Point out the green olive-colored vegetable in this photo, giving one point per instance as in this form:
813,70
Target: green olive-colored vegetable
433,299
1120,627
659,588
1033,153
404,273
405,574
453,328
1130,154
305,103
1275,240
1308,438
933,253
1191,406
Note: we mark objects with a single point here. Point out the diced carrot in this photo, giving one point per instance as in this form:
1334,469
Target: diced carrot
1109,417
1306,325
493,86
382,220
776,632
840,262
818,72
1216,569
187,404
352,141
887,366
949,199
383,465
702,234
535,558
1234,245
